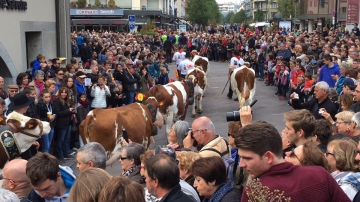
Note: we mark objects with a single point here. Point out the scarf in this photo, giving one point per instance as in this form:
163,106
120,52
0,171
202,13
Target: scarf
40,85
237,57
128,172
84,104
220,192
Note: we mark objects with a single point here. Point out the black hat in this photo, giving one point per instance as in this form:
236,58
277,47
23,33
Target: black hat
80,74
20,100
187,54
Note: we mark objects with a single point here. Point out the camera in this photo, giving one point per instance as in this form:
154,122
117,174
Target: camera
235,115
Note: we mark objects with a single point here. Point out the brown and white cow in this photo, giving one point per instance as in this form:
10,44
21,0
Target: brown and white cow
198,77
203,62
106,126
173,100
25,131
243,83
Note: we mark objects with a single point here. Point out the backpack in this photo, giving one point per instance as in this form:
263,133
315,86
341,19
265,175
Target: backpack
230,163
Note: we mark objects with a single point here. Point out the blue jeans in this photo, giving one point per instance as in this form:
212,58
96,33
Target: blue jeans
216,56
130,97
261,70
63,142
47,139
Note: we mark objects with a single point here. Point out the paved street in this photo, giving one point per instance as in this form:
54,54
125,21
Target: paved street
215,106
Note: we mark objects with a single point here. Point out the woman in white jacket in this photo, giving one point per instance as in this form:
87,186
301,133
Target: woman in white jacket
99,92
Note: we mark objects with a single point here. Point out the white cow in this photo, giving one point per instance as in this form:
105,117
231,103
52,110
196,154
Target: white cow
243,83
198,77
203,62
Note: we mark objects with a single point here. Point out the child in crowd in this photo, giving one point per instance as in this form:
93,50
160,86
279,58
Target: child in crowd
120,96
45,112
31,111
298,72
308,85
269,65
276,69
308,61
82,111
283,81
164,76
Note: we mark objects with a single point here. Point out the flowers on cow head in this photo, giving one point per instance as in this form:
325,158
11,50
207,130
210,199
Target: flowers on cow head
140,97
232,66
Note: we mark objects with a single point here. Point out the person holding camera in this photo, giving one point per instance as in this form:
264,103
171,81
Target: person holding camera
99,91
64,113
321,100
208,143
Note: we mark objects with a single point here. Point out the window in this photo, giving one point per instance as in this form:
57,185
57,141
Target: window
310,3
343,10
274,5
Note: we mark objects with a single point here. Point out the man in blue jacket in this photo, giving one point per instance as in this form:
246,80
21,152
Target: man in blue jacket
50,181
329,71
285,53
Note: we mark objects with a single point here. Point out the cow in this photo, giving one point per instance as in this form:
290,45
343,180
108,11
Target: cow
107,126
243,83
203,62
198,77
17,134
172,99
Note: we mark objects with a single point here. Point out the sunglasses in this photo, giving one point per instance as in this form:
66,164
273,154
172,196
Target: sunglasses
328,153
13,91
123,158
194,131
292,155
3,178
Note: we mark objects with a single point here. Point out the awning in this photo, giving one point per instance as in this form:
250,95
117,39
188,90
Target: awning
99,21
260,24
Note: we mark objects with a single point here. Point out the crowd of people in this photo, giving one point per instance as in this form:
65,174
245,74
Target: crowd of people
315,158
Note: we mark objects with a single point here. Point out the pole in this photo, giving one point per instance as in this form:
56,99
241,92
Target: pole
336,12
225,86
295,3
282,9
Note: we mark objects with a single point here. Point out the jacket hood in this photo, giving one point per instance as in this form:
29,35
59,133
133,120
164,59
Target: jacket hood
335,65
68,176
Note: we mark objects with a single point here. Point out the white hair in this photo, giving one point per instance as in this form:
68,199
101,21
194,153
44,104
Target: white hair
356,119
323,86
8,196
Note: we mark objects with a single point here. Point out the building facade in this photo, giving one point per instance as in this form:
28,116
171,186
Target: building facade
267,7
163,12
311,10
27,32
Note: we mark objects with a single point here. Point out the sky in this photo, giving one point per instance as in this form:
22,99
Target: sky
225,1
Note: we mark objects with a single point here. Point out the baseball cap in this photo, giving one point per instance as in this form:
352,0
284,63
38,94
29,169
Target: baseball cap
80,74
349,82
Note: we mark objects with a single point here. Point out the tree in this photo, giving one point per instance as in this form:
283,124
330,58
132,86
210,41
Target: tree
97,3
239,17
288,8
81,3
149,28
259,16
203,12
111,3
229,16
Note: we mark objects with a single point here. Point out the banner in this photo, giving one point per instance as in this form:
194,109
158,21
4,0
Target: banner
352,12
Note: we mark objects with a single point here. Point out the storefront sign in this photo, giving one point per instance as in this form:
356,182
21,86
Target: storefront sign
13,5
352,12
84,12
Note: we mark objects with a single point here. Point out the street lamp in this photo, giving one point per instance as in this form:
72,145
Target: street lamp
295,8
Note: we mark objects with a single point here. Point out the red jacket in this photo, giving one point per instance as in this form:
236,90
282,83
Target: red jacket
302,183
295,75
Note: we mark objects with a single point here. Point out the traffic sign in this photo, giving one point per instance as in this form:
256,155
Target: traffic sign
131,18
132,26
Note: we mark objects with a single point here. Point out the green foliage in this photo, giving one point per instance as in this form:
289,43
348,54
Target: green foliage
111,3
288,8
149,28
259,16
239,17
203,12
229,16
97,3
81,3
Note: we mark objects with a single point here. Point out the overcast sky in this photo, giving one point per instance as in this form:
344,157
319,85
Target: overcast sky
225,1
